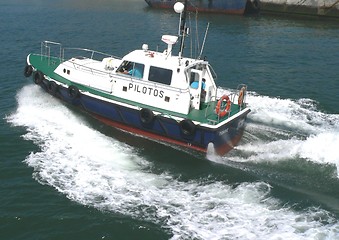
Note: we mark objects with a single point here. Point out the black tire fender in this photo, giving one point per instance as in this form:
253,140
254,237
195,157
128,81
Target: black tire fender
28,71
187,127
73,92
52,87
146,116
38,77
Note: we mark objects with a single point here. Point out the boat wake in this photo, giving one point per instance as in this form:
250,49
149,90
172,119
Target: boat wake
292,129
99,171
285,129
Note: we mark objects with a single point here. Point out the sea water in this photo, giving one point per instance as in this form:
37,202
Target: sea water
64,175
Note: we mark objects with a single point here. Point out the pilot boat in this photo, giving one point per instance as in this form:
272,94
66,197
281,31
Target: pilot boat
155,94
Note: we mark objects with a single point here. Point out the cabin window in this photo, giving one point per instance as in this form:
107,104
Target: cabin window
131,68
194,77
160,75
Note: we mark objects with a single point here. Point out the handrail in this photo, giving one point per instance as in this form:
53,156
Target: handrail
47,45
124,77
90,69
150,83
46,49
242,88
214,74
92,52
232,96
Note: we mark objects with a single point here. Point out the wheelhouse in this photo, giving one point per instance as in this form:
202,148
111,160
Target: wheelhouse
193,81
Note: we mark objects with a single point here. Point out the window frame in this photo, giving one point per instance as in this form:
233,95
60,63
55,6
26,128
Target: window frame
160,75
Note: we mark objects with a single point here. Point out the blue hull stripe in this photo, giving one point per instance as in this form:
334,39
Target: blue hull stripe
223,138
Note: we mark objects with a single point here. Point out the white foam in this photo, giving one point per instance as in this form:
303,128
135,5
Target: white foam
321,148
98,171
298,115
290,129
284,129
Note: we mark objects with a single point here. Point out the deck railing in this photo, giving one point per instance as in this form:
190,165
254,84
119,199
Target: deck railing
241,93
54,50
47,47
87,53
234,97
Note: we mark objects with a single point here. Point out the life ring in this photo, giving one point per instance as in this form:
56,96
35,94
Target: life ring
28,71
146,116
52,87
187,127
73,92
241,96
38,77
218,111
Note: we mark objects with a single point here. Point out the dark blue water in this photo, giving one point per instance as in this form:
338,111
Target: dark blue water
66,176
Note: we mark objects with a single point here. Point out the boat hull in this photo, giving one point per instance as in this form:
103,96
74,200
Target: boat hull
217,6
326,9
161,128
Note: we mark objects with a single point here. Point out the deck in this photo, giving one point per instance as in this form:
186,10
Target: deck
208,115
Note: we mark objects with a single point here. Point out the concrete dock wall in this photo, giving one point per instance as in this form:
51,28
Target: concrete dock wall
329,8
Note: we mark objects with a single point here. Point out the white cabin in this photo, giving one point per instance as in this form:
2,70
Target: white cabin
156,79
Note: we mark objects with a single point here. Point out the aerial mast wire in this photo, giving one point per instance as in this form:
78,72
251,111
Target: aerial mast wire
182,28
203,44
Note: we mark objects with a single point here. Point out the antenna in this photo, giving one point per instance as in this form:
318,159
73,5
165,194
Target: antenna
203,43
181,8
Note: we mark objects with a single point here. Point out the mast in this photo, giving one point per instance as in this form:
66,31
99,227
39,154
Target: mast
182,28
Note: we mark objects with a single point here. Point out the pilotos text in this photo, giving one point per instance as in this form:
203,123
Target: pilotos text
146,90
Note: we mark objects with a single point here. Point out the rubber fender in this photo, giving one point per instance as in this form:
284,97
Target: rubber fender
146,116
28,71
73,92
52,87
38,77
187,127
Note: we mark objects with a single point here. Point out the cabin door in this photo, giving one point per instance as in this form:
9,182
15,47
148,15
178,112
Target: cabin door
196,88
